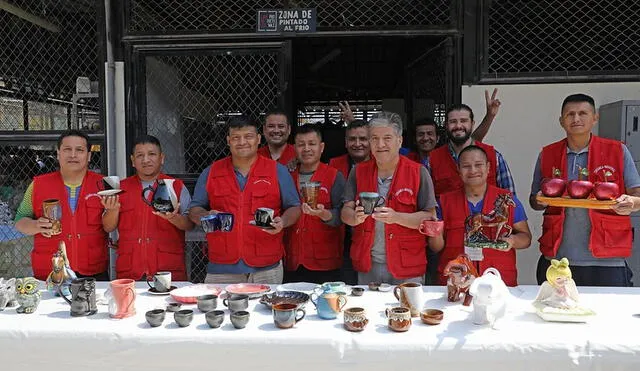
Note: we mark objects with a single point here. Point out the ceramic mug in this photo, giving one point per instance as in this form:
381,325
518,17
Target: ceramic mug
161,282
310,191
83,297
52,210
286,315
236,302
264,217
222,222
122,298
431,228
109,183
370,200
355,319
328,304
410,296
399,319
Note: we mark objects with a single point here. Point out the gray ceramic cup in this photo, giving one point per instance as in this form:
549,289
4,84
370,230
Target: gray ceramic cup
240,319
155,317
183,317
207,303
236,302
174,307
214,318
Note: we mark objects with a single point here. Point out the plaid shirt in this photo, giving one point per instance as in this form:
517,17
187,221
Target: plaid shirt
504,179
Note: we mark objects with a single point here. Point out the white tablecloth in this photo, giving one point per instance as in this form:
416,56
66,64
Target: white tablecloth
51,339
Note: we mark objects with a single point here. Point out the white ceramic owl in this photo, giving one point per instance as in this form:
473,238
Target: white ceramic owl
28,294
7,293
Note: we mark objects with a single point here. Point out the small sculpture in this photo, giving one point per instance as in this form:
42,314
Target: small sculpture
7,293
61,275
489,297
28,294
476,235
559,290
461,273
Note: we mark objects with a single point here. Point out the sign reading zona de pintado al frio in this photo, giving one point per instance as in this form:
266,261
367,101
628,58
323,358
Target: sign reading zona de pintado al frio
286,20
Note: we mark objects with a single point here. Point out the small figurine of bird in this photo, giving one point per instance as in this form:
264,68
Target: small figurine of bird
28,294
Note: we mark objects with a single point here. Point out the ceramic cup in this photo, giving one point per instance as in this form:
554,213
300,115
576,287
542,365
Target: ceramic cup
122,298
399,319
357,291
370,200
287,315
220,222
174,307
310,191
432,316
214,318
183,317
161,282
410,296
236,302
83,297
109,183
355,319
52,210
264,217
240,319
207,303
431,228
155,317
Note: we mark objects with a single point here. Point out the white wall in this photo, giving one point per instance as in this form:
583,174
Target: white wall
528,120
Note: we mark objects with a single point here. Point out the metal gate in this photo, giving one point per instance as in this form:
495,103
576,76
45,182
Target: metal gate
188,92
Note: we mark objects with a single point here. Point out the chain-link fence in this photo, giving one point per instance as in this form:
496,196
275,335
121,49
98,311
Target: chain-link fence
557,36
240,15
45,47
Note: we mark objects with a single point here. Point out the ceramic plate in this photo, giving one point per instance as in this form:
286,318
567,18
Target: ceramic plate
550,314
189,294
153,291
285,297
109,192
305,287
251,289
253,223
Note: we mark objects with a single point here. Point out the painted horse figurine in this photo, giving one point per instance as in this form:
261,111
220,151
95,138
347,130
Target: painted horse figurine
498,217
61,275
461,273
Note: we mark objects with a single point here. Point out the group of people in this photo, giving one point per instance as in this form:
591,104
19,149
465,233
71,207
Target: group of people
461,178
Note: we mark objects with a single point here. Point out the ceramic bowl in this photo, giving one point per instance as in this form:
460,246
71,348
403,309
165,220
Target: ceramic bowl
183,317
357,291
214,318
431,316
373,286
385,287
285,297
155,317
174,307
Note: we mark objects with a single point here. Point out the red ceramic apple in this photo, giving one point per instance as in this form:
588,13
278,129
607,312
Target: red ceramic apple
580,188
606,190
553,187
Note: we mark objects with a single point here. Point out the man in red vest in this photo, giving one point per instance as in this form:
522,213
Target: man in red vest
149,241
276,130
240,184
443,160
596,242
82,217
356,141
314,244
474,198
386,246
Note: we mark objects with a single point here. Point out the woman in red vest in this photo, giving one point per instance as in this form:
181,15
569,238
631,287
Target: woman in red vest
149,241
82,223
314,245
478,197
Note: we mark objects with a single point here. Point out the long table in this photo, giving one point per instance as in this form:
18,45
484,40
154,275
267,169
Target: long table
52,339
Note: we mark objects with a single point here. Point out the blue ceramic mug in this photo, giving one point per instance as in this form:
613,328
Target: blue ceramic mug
222,222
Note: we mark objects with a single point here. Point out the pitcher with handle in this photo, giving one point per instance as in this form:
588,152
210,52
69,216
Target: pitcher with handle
163,197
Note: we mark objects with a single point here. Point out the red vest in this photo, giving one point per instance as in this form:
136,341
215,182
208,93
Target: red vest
310,242
249,243
406,254
444,170
611,234
147,243
82,231
413,156
287,155
455,210
342,164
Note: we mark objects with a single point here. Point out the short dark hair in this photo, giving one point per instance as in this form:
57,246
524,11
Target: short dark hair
146,139
459,107
73,133
309,128
276,111
425,121
241,121
578,98
357,124
472,148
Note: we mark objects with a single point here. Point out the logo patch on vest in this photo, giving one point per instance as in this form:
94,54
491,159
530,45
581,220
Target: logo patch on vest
324,189
408,190
262,180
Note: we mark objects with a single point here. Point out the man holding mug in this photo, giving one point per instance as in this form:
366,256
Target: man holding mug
240,184
386,245
314,244
81,219
149,241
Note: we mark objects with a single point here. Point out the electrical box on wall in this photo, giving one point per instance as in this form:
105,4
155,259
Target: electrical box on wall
620,120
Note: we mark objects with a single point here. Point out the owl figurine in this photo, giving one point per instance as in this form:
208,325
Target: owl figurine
28,294
7,293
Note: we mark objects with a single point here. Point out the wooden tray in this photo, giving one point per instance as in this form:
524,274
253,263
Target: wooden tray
585,203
